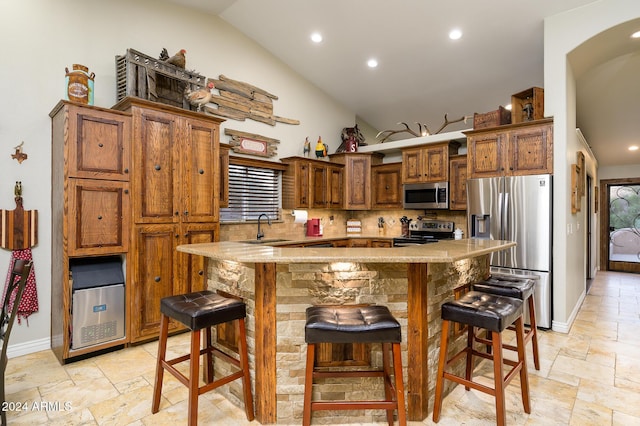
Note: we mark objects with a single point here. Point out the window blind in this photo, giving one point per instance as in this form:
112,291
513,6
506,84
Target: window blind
252,191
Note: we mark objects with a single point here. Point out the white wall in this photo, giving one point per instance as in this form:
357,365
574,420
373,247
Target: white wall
563,33
41,38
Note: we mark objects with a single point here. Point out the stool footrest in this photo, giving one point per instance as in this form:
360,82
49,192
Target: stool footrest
364,373
353,405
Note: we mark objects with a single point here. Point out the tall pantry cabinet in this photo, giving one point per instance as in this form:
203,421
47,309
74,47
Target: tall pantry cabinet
134,181
175,182
90,192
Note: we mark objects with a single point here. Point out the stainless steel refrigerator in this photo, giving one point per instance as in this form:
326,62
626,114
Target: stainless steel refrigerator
517,208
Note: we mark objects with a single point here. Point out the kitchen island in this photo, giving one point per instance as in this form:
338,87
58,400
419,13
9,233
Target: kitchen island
278,284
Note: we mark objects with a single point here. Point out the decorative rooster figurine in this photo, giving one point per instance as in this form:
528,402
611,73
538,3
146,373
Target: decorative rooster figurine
200,97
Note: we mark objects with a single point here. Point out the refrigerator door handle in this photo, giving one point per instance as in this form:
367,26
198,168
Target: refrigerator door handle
505,216
500,215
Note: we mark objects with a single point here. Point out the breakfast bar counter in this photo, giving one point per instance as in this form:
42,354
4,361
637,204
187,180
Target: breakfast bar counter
279,283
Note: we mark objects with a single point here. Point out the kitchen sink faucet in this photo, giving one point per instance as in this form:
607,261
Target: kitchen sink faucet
260,233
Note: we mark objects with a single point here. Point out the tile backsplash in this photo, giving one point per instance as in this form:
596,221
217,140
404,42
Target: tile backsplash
334,223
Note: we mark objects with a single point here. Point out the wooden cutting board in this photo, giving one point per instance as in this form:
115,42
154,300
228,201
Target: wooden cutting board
19,227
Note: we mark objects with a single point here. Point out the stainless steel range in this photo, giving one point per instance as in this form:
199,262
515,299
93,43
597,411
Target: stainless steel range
426,231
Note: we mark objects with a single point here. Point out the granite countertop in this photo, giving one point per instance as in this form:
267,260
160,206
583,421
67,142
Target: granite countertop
443,251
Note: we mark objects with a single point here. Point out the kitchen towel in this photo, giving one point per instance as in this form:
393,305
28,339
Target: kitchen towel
29,303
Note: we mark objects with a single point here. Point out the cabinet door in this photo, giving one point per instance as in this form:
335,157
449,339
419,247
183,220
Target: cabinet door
157,173
381,243
98,217
335,187
436,160
318,186
155,276
359,242
531,150
192,267
458,184
200,177
386,184
358,182
224,176
486,155
412,165
99,144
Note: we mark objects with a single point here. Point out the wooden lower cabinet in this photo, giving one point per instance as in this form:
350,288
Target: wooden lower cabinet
160,271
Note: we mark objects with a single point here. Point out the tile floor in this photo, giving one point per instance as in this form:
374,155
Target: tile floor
587,377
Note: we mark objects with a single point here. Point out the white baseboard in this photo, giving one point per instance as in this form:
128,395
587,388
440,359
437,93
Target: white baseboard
26,348
564,327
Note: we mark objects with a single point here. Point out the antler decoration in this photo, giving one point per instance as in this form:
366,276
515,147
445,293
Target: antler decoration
423,130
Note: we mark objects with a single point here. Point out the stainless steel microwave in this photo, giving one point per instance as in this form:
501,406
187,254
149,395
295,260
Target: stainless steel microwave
434,195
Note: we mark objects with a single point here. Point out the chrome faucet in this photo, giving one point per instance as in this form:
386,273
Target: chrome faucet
260,233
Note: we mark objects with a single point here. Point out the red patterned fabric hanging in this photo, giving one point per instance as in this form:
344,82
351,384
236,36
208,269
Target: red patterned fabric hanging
29,303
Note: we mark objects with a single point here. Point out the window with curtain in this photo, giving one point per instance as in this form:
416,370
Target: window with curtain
252,191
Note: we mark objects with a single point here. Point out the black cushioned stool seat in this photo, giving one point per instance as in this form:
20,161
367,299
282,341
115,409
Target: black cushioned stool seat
519,288
493,313
355,324
197,311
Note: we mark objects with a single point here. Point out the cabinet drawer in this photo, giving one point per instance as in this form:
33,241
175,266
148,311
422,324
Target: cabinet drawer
98,217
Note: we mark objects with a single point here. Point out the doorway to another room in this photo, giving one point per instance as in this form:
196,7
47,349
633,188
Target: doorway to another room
620,229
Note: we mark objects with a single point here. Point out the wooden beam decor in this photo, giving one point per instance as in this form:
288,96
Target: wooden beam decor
239,100
252,144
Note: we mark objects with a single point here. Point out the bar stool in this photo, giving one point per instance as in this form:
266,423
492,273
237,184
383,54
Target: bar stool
519,288
196,311
355,324
493,313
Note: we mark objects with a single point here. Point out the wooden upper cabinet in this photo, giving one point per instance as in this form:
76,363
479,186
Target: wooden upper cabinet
176,160
511,150
96,141
458,183
427,163
386,185
357,178
200,173
224,175
98,217
308,183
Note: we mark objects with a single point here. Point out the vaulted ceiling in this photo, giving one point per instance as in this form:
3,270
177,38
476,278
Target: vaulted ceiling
423,75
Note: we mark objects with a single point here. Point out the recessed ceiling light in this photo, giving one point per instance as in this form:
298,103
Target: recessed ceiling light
372,63
633,148
316,37
455,34
636,34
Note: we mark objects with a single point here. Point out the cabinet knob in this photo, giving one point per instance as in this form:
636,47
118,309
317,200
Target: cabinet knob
157,167
186,234
100,217
186,213
100,145
157,279
200,272
201,171
386,187
126,170
126,191
177,213
177,235
510,168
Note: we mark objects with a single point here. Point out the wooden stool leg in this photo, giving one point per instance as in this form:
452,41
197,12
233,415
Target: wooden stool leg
244,364
397,372
208,365
469,364
534,331
442,360
194,370
162,350
498,373
386,368
522,358
308,384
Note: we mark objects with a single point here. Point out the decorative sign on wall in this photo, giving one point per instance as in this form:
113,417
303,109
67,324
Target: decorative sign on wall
252,144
